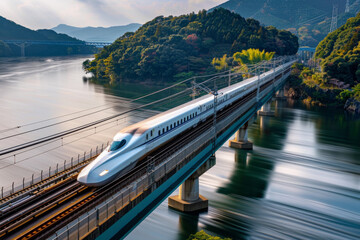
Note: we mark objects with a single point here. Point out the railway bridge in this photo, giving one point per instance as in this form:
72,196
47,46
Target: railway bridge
112,211
22,44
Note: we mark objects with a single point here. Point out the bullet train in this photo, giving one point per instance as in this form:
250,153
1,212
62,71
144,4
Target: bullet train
132,143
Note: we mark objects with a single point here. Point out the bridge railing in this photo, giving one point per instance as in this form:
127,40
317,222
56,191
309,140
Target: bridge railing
88,222
52,171
68,164
45,42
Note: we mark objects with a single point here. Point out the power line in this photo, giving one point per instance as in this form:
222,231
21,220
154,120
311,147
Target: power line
79,128
334,18
69,114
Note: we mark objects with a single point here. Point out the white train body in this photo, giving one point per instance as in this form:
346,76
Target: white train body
135,141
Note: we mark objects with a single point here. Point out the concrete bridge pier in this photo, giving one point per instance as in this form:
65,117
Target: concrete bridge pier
189,198
266,110
280,94
241,139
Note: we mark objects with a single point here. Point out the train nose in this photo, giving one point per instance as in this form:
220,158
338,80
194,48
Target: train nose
82,178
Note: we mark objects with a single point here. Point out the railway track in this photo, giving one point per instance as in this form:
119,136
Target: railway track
35,206
156,157
95,196
44,184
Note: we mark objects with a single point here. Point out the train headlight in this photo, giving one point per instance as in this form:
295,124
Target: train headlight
103,173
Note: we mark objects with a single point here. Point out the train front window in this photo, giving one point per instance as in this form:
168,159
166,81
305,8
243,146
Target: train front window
116,145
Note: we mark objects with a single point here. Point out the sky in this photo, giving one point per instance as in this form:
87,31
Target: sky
39,14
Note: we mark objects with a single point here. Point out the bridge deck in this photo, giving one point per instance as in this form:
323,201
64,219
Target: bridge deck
120,214
128,200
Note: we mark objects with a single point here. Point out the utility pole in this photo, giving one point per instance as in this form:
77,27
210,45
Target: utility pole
334,17
214,92
347,6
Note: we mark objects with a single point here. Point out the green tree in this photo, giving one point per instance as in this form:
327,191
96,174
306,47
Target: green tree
339,52
252,56
220,64
356,91
202,235
167,46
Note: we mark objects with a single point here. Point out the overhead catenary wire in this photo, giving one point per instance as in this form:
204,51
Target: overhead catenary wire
88,114
63,144
73,130
82,131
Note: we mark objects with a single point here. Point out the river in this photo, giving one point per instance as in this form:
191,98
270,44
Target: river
301,180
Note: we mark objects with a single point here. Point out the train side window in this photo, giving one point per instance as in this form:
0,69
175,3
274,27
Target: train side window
147,136
163,130
177,122
159,132
167,128
170,126
151,132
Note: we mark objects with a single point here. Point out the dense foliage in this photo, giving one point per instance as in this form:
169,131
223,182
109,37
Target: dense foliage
167,46
310,86
241,60
12,31
202,235
252,56
339,79
310,19
340,52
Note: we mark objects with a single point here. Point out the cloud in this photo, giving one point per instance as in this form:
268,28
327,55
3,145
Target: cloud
37,14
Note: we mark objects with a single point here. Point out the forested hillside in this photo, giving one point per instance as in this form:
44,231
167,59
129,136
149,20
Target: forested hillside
340,52
310,19
339,80
165,47
12,31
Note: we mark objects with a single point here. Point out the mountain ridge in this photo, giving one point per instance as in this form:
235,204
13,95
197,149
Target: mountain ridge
96,34
10,30
309,19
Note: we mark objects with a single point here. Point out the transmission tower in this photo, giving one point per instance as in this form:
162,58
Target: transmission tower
347,6
334,18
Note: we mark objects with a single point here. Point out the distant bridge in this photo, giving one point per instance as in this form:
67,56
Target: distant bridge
307,49
306,56
25,43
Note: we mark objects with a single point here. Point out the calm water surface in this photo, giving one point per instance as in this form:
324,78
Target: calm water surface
301,181
48,95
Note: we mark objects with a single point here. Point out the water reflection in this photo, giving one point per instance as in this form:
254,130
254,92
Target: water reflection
301,181
249,178
188,223
36,89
